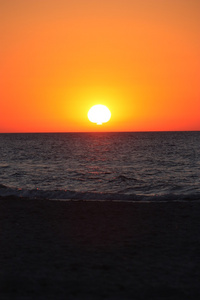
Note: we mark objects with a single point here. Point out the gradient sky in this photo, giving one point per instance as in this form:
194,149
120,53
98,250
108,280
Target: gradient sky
140,58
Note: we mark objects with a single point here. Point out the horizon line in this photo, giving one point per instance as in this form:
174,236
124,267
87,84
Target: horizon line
56,132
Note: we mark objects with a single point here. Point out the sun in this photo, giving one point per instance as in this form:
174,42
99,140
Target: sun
99,114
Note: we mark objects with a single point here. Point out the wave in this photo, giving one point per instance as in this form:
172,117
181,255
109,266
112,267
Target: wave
2,186
74,195
123,178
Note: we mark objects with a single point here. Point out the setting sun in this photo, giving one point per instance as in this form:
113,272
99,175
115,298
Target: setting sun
99,114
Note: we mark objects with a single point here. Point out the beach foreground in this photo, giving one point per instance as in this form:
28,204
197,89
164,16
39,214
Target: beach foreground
99,250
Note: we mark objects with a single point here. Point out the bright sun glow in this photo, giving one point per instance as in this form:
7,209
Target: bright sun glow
99,114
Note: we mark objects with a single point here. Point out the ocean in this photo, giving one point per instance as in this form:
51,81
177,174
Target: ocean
136,166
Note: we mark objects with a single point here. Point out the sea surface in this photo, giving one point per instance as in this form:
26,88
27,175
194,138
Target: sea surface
137,166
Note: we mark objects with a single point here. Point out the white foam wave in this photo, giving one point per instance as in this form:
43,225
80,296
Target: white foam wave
86,196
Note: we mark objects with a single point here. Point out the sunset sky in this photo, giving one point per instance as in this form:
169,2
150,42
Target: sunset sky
139,58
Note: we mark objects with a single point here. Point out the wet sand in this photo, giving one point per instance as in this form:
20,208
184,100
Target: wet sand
99,250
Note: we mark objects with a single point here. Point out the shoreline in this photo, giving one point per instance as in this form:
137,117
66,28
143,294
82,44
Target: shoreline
99,249
17,197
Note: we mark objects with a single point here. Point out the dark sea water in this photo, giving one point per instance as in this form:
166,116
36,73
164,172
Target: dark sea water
151,166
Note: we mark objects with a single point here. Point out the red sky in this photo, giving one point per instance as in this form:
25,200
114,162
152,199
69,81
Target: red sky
139,58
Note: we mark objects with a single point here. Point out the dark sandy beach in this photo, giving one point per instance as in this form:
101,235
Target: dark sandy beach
99,250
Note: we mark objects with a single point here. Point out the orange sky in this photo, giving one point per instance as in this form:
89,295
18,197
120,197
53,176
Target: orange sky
140,58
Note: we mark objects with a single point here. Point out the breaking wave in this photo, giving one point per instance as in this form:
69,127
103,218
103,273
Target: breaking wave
74,195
